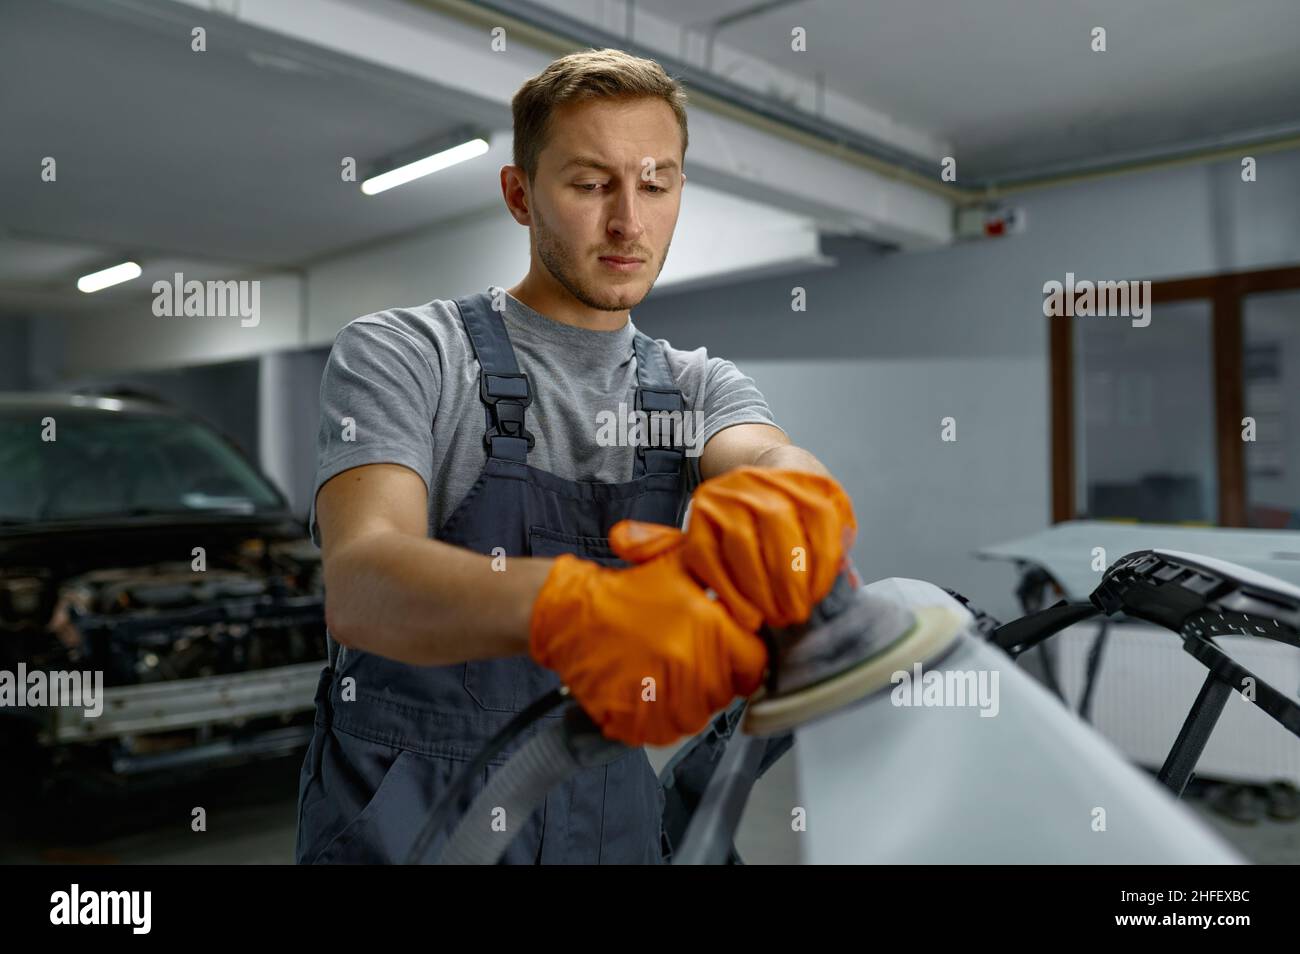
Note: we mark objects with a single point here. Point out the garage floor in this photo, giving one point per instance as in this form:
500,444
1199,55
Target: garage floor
1266,842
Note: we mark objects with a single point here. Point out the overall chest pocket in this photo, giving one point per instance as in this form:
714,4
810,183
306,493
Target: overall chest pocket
510,685
544,542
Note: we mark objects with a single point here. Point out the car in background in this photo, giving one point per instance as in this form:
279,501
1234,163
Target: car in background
138,543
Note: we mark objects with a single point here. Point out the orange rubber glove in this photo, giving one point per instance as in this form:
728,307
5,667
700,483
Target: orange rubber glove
605,631
768,542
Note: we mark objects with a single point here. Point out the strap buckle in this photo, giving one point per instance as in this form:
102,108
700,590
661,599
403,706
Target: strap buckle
506,394
661,400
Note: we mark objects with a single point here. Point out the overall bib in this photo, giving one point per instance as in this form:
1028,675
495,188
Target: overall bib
378,762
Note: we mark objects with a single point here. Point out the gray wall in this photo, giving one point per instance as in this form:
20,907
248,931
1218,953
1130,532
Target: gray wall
14,351
224,395
891,344
290,415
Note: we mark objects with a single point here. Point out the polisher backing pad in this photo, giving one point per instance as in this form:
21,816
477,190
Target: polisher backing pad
934,629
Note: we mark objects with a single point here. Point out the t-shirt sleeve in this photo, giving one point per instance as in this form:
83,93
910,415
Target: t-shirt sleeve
378,399
729,396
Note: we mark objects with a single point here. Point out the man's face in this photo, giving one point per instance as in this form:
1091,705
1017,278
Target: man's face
609,183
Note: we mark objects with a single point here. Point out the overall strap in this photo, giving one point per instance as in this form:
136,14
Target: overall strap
502,387
656,391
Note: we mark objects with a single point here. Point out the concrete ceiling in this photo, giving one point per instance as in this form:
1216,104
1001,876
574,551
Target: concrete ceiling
215,164
202,162
1014,84
228,161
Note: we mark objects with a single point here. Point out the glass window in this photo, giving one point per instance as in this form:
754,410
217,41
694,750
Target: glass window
1145,418
1271,378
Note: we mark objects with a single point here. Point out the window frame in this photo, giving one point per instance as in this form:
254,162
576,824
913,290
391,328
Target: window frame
1225,292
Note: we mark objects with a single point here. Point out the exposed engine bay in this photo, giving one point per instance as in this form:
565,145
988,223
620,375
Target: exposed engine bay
259,607
210,657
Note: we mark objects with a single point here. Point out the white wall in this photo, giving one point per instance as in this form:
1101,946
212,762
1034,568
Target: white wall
720,239
456,257
132,337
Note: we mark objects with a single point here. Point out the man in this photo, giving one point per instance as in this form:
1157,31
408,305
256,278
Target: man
483,542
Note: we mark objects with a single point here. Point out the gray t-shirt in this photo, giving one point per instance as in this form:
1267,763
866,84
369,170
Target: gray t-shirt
408,380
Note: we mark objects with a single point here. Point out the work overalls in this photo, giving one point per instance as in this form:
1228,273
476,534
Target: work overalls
377,764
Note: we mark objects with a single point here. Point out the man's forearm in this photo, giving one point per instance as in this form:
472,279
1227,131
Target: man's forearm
428,603
790,457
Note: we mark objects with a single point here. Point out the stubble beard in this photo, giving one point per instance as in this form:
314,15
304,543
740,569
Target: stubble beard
560,263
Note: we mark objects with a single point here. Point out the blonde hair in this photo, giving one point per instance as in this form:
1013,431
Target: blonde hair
582,76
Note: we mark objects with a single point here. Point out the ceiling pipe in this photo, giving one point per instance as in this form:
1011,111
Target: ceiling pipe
553,31
558,33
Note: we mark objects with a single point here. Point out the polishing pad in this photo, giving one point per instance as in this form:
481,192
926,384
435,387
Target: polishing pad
927,632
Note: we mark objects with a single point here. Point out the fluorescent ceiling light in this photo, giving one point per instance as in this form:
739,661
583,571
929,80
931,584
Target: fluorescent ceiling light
422,167
109,276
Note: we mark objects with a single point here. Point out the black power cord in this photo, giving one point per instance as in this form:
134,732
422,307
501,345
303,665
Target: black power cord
452,803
